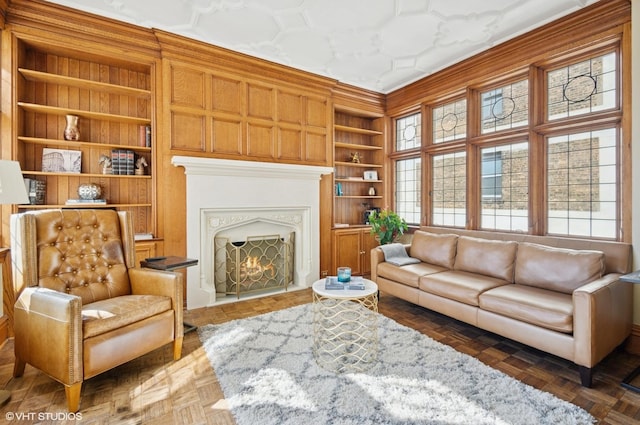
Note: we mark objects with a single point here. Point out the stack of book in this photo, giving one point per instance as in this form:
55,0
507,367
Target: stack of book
356,283
145,136
123,162
86,202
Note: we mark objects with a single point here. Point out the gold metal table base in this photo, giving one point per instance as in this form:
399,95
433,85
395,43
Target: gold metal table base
345,331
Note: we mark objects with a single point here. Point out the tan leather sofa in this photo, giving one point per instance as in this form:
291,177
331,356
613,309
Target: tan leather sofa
83,307
559,295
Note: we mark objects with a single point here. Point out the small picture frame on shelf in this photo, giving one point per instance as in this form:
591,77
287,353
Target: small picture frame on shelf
61,160
371,175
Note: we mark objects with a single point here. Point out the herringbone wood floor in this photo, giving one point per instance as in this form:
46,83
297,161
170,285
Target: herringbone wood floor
156,390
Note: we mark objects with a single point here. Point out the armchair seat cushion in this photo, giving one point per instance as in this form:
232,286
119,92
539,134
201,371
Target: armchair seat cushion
113,313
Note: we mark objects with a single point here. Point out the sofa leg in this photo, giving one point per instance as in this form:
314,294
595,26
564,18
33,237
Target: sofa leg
73,396
586,376
177,348
18,368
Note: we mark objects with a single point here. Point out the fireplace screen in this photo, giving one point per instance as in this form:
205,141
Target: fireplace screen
255,264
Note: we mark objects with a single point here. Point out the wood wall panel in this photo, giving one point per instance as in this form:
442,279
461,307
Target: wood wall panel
226,95
317,112
187,87
187,132
273,123
315,149
260,102
290,108
290,144
260,141
226,136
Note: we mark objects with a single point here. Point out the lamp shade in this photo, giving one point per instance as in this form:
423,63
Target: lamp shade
12,188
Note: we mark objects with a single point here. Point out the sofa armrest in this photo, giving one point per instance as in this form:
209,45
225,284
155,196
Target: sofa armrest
48,333
158,282
377,257
602,318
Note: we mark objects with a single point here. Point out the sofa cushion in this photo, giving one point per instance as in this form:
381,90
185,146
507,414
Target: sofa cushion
407,275
557,269
548,309
460,286
432,248
113,313
488,257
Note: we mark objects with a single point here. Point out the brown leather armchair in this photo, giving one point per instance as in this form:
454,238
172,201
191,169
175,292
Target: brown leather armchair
83,307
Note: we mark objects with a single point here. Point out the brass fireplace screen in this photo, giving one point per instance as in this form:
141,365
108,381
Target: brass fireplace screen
256,264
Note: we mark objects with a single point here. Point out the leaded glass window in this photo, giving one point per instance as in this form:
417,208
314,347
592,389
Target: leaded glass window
450,122
505,107
582,184
582,88
408,182
449,189
408,132
505,187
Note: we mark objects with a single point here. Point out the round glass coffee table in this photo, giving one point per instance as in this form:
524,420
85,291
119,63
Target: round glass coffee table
345,327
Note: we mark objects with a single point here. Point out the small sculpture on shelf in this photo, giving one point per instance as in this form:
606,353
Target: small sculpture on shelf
105,161
355,158
140,164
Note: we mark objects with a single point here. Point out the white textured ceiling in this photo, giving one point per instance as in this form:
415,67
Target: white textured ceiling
380,45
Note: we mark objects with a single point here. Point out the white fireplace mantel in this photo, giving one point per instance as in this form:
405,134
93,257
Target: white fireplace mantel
218,187
235,168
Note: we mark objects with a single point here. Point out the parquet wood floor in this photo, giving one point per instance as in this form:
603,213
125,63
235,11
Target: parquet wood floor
156,390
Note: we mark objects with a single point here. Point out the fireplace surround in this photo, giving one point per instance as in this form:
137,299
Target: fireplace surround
236,199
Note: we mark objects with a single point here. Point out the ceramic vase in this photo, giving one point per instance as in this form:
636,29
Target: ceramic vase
89,191
71,131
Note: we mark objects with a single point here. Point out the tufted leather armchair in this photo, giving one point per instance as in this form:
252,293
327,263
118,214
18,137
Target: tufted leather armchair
83,307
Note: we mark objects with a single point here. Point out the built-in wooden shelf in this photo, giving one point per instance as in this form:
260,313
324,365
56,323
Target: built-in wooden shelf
357,130
54,110
76,206
45,77
79,143
357,146
358,164
48,173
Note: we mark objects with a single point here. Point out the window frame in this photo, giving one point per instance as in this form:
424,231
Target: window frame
537,131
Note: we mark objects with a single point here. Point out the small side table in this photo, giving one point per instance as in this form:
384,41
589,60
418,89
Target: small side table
345,327
171,263
633,277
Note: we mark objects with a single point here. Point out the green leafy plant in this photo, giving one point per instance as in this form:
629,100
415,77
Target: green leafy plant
387,226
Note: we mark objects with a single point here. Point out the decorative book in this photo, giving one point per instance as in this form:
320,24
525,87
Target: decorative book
61,160
356,283
331,282
86,201
168,263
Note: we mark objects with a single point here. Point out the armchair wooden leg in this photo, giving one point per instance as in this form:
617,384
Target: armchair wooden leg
177,348
73,396
18,368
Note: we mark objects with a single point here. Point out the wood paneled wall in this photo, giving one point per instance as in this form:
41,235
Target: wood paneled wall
224,115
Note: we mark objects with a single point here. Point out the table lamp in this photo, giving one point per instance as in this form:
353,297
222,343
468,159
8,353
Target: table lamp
12,191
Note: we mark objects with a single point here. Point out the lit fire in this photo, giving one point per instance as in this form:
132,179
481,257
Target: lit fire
252,268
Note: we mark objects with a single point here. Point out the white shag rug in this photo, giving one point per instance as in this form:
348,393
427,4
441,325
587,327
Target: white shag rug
267,371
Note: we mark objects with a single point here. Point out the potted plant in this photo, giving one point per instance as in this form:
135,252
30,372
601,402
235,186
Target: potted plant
387,226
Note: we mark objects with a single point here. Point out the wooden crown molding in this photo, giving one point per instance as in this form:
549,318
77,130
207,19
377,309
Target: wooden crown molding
348,97
4,5
36,20
185,49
